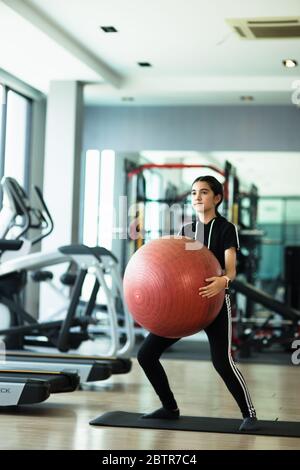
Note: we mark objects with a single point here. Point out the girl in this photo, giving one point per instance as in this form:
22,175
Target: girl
220,236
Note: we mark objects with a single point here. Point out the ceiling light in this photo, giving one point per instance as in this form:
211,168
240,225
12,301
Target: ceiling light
290,63
247,98
108,29
144,64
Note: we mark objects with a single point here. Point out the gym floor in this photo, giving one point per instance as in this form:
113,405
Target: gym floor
62,421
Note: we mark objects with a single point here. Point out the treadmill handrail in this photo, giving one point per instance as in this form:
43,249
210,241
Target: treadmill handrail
33,261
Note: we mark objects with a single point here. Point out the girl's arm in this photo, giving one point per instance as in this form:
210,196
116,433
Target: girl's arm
230,263
219,283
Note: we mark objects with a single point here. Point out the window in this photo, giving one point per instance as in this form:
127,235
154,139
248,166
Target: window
106,206
15,127
98,208
98,205
91,198
16,137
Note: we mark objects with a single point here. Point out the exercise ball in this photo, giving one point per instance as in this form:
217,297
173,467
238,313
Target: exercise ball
161,286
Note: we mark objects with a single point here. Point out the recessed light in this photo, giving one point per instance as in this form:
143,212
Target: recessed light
144,64
290,63
247,98
108,29
127,98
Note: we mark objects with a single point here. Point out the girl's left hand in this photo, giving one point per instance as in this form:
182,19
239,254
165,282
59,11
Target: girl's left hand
216,285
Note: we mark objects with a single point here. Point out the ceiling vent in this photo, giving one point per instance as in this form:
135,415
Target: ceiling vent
266,28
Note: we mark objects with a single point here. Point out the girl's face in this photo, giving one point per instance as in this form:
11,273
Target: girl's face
203,197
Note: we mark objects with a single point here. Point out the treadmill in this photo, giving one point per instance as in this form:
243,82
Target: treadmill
27,387
89,368
15,391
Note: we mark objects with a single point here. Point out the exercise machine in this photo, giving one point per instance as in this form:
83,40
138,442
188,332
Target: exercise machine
59,333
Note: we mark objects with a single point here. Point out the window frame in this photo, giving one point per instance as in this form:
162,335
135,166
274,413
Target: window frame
28,133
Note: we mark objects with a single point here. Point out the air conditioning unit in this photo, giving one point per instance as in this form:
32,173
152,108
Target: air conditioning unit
266,28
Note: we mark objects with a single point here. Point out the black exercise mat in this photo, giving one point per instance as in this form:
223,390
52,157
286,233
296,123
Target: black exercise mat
197,423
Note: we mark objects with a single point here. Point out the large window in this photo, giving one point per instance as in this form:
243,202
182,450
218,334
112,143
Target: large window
15,122
98,208
106,200
90,233
17,137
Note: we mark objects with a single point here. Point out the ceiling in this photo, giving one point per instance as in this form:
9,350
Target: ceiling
196,58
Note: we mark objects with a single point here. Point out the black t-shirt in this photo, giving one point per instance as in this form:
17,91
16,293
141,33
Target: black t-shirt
218,234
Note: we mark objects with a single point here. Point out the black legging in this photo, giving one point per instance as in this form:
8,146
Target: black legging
219,336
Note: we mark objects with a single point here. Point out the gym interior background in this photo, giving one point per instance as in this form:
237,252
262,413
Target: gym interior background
112,102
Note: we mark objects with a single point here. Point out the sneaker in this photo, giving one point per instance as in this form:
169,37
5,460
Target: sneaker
162,413
249,424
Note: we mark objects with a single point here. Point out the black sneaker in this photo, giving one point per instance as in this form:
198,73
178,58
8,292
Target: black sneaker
162,413
249,424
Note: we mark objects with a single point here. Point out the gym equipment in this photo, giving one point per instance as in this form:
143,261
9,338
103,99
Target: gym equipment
31,382
88,370
19,387
93,260
259,336
97,262
292,276
74,328
161,286
22,391
197,423
18,216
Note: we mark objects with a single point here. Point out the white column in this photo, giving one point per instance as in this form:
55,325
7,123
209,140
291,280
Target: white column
61,187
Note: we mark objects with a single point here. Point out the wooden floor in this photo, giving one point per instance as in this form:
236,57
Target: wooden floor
62,422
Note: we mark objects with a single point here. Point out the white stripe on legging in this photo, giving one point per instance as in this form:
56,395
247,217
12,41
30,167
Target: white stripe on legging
233,366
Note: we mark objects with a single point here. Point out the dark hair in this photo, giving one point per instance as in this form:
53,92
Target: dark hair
214,185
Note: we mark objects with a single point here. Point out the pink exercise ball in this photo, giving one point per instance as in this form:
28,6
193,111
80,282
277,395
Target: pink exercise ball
161,286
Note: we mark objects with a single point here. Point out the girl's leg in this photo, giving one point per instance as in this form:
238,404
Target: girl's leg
148,357
219,336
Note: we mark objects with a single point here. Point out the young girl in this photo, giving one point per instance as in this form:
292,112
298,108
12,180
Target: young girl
220,236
